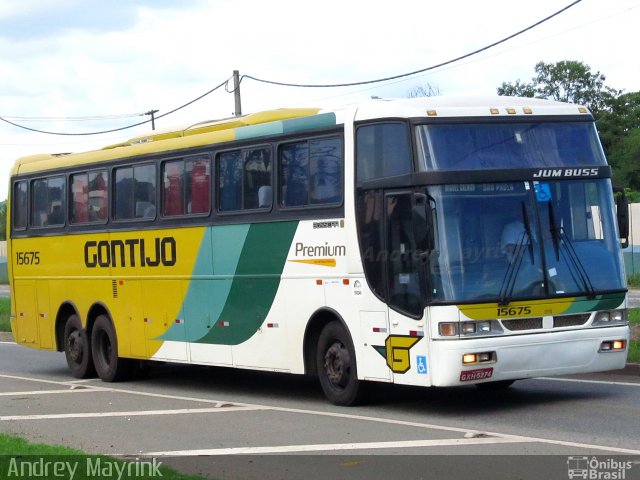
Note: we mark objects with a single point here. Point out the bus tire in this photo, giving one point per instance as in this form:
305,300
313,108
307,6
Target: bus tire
77,348
336,364
104,346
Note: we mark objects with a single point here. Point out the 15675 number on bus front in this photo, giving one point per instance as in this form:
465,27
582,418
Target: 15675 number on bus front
513,311
27,258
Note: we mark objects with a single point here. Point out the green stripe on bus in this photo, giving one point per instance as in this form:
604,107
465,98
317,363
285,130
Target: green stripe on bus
256,281
286,126
203,303
307,123
233,289
600,302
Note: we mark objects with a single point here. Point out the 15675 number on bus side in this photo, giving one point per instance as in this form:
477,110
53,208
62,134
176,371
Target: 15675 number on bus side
513,311
27,258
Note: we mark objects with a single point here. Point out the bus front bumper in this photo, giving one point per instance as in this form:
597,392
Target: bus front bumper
525,356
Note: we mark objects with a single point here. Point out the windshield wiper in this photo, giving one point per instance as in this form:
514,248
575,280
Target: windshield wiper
509,282
560,239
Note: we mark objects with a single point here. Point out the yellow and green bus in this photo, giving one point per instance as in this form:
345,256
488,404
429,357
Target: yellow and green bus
435,242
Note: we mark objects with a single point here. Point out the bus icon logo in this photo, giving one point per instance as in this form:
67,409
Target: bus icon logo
578,467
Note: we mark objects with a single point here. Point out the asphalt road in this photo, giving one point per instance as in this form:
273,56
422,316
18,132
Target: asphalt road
242,424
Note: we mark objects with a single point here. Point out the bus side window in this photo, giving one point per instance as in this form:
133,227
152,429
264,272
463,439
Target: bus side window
20,200
48,202
241,176
135,192
382,151
311,172
173,194
229,178
198,185
88,197
257,174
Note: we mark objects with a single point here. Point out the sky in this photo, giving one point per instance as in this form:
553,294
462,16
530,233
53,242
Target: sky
81,66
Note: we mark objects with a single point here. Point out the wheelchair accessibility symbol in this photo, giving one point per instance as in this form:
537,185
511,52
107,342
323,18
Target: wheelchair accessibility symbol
421,366
543,192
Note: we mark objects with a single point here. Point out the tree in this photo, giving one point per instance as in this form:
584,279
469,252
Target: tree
426,90
566,81
3,220
617,115
619,131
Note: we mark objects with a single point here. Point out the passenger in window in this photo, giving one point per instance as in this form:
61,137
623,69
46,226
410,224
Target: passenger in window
56,217
264,196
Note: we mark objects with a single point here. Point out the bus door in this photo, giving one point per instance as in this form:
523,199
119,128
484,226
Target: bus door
405,229
45,322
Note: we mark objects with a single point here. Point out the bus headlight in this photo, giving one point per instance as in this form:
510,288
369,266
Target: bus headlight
448,329
612,317
469,329
485,327
613,346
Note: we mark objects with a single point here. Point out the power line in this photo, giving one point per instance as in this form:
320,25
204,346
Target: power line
285,84
422,70
4,119
87,118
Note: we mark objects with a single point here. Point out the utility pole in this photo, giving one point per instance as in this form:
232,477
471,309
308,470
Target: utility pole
236,92
153,118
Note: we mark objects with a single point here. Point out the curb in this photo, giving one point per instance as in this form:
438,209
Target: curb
630,369
6,337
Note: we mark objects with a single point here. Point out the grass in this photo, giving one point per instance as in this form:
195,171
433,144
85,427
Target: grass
5,310
15,451
634,280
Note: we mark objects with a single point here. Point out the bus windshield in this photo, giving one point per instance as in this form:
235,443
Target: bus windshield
522,240
508,145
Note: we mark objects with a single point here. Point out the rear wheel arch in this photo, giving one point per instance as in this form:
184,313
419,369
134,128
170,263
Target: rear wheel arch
66,310
94,312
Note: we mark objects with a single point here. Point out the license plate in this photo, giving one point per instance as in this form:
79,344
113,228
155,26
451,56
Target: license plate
478,374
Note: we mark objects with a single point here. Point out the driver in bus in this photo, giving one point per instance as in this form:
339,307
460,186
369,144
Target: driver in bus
513,234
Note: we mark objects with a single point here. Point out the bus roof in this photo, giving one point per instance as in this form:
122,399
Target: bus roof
445,107
286,120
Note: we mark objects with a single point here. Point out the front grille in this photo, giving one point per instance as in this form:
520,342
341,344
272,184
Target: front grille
570,320
523,323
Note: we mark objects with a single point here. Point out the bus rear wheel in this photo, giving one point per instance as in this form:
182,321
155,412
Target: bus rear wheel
104,346
77,349
336,365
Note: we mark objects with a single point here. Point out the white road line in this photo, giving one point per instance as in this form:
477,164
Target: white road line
626,451
141,413
244,406
219,403
8,343
507,437
48,392
597,382
330,447
32,379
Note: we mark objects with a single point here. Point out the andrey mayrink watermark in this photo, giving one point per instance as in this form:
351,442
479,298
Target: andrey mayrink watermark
87,467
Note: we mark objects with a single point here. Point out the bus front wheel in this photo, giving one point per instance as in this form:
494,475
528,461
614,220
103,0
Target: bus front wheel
77,349
336,364
104,346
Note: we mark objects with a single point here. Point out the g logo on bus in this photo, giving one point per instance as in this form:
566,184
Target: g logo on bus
396,352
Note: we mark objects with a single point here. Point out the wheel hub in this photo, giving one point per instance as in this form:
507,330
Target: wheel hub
337,364
75,346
